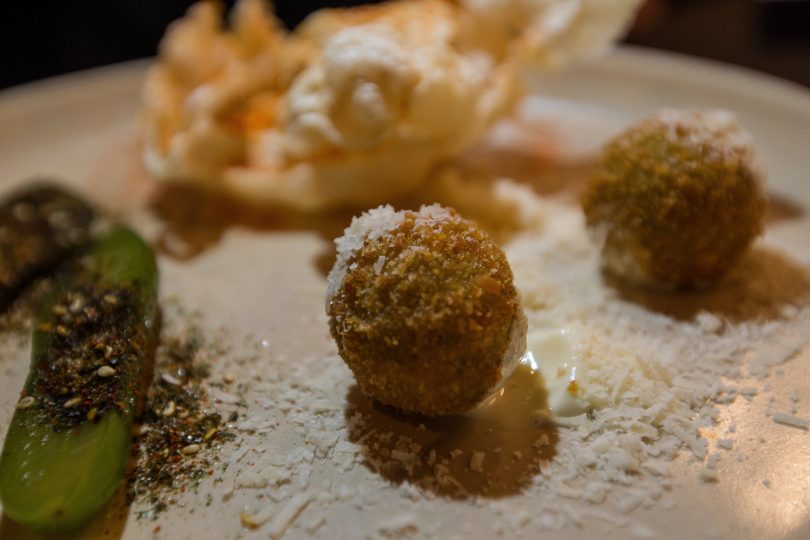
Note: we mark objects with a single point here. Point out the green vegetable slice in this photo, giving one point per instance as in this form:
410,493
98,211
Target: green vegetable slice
70,436
40,226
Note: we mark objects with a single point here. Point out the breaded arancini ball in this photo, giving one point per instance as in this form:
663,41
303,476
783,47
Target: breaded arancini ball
677,198
423,309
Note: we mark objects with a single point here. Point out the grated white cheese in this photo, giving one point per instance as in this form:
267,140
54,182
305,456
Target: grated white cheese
252,481
370,225
401,526
223,397
709,322
631,501
725,444
477,462
656,466
708,475
640,531
285,517
792,421
400,455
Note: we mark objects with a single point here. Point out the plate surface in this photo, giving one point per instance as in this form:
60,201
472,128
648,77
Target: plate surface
264,287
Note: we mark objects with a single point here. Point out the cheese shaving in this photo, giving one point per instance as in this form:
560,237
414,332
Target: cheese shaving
792,421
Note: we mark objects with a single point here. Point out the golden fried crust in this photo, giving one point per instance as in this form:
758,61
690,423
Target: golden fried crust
673,211
425,315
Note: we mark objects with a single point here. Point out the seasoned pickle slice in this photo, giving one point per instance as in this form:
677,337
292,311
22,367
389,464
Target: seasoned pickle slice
70,436
39,227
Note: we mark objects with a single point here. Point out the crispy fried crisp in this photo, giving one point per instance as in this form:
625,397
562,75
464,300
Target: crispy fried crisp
356,105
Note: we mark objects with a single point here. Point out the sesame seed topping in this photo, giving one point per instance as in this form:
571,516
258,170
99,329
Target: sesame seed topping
169,410
27,401
168,379
72,402
76,305
191,449
105,371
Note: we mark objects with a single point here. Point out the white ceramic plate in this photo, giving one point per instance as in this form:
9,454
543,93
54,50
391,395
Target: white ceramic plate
267,286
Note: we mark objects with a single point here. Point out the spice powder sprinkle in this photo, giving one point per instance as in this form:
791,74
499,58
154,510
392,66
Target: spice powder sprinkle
181,428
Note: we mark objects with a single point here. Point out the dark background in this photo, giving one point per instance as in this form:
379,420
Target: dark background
43,38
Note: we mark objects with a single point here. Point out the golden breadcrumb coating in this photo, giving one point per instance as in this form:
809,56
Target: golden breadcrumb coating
678,198
426,314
